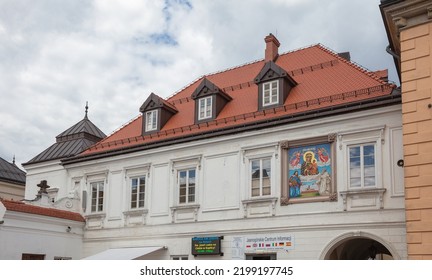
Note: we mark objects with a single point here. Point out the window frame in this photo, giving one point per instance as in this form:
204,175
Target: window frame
98,198
207,108
273,92
362,166
153,117
130,200
187,187
367,136
261,178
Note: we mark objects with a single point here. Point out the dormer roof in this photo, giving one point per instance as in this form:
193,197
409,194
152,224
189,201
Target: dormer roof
153,101
271,71
207,88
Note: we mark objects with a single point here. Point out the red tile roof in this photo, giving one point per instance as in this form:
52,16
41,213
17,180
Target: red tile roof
324,80
19,206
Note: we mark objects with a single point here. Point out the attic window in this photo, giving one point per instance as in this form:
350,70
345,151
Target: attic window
270,93
209,101
205,108
274,85
151,120
155,113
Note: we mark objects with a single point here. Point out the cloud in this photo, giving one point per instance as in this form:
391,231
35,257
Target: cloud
56,55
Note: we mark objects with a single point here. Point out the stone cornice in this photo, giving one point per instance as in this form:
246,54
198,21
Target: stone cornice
407,14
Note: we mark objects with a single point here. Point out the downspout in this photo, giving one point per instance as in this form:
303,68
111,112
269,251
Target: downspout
392,53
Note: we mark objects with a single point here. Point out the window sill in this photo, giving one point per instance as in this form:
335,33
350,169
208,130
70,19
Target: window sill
184,213
260,206
135,217
95,220
361,193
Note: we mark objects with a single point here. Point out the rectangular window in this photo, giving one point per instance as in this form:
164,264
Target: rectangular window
137,192
271,93
205,108
179,258
32,257
261,177
186,183
97,196
62,258
151,120
362,172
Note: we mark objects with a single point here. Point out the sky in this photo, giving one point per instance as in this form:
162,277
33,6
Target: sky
57,55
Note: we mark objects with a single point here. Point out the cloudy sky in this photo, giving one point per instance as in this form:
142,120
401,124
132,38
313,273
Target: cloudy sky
56,55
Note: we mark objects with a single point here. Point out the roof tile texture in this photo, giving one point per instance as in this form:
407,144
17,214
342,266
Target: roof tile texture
320,74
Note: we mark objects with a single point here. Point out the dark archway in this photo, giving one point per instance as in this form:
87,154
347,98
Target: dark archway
358,246
360,249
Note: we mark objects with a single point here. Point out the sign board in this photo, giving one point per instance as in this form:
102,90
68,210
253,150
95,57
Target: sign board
208,245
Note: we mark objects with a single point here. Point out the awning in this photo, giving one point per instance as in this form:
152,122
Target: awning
123,253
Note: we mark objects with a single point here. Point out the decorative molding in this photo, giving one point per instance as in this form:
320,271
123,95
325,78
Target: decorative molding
135,217
405,14
332,137
185,162
262,200
377,191
191,208
327,195
95,220
284,144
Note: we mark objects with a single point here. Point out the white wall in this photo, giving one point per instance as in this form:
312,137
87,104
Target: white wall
223,187
34,234
51,171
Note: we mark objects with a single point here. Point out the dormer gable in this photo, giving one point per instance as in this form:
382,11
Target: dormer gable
274,85
156,113
209,101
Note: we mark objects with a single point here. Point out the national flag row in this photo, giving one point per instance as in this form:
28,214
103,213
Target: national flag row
266,245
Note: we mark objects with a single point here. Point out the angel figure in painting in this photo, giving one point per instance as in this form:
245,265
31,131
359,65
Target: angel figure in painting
295,159
324,182
323,155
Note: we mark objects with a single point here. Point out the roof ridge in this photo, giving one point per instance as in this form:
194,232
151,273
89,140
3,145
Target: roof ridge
353,64
229,69
212,74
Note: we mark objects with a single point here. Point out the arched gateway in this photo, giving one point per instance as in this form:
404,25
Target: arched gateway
359,246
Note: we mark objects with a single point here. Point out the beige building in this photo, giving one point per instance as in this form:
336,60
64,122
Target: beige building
409,29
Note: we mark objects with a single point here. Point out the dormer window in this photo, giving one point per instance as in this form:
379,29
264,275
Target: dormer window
274,85
205,108
151,120
270,93
156,113
209,101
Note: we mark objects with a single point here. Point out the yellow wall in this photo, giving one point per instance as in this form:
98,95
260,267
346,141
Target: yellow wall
416,69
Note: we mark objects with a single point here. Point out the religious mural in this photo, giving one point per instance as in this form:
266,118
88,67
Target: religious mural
309,171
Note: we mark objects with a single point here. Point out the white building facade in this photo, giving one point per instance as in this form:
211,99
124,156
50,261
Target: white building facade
221,201
203,176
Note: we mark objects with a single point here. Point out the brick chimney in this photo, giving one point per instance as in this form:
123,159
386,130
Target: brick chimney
272,45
